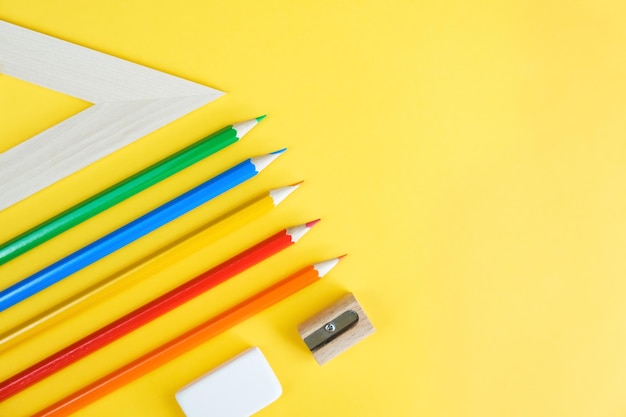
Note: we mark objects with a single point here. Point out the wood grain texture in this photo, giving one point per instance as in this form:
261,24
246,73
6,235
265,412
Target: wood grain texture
355,334
129,101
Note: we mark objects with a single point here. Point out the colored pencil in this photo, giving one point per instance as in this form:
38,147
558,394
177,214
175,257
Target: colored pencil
124,189
134,230
144,268
189,340
152,310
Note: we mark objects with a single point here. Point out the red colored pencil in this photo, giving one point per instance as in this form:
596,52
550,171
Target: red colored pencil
152,310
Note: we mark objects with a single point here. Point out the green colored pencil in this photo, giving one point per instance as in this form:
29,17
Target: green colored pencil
124,189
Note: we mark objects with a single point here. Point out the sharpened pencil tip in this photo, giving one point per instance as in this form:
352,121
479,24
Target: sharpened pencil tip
342,256
323,268
258,119
279,194
242,128
295,184
278,152
260,162
312,223
297,232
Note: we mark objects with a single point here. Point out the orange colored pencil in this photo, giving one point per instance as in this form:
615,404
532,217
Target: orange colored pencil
189,340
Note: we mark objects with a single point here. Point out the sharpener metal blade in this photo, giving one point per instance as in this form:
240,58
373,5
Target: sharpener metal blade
331,330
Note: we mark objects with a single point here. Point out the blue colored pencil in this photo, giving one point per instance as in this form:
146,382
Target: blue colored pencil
134,230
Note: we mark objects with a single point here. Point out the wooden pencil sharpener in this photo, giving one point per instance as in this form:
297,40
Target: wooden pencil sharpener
335,329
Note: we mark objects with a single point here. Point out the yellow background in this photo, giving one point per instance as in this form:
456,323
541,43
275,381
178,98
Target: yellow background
469,156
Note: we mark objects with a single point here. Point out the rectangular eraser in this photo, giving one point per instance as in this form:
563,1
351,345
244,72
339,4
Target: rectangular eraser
237,388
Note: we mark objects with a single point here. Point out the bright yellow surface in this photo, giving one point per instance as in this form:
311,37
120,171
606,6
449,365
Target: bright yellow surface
469,156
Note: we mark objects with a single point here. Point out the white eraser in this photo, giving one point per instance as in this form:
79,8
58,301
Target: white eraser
237,388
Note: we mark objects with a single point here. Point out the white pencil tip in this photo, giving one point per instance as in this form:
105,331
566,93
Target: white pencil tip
261,162
324,268
279,194
297,232
244,127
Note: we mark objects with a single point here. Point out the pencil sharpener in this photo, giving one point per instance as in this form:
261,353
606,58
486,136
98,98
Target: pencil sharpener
335,329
